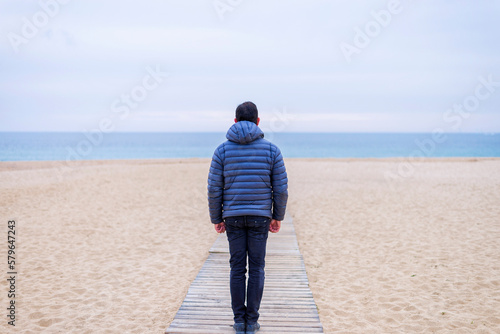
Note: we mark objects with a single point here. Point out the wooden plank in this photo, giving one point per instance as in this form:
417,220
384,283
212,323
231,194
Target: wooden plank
287,305
202,314
228,321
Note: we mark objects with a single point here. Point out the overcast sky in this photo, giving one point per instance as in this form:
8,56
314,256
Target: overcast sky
315,65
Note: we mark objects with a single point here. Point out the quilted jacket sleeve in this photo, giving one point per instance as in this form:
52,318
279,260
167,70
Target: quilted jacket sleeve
280,186
216,187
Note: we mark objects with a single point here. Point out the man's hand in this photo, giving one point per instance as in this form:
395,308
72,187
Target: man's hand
220,228
275,226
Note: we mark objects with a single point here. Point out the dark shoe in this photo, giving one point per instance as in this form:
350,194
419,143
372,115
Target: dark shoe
251,329
239,328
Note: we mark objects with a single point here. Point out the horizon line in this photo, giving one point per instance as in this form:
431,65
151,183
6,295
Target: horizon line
274,132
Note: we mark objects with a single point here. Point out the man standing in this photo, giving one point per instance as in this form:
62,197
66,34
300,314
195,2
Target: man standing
247,196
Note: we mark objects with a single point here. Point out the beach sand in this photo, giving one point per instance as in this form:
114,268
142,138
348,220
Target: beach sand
112,246
419,254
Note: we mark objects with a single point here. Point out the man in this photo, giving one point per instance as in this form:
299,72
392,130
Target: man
247,196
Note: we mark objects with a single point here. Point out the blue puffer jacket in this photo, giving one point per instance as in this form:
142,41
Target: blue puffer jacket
247,176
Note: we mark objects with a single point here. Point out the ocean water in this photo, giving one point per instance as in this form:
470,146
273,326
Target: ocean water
21,146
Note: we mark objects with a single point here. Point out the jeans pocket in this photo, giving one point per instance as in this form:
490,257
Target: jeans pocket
234,221
258,227
257,221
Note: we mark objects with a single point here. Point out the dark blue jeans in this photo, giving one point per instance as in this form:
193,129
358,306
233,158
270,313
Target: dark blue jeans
247,236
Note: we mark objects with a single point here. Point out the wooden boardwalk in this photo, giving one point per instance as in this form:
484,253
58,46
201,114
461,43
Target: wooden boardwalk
287,305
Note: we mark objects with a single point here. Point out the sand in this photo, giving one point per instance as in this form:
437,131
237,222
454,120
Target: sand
401,255
112,246
107,248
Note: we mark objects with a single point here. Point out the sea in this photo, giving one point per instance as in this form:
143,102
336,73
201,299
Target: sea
26,146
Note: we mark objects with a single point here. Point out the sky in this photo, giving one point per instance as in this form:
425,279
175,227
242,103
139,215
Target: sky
309,66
